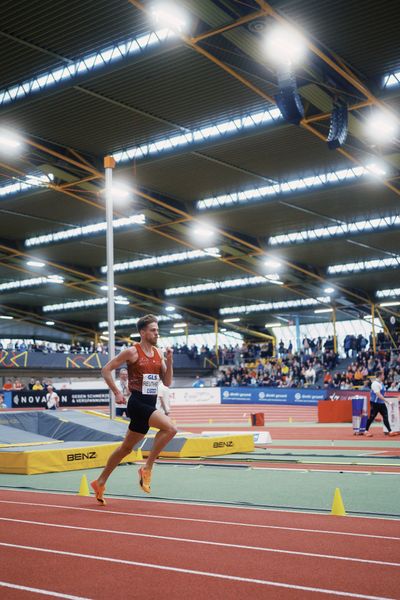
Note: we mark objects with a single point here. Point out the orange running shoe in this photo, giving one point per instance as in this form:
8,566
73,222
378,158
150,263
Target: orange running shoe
99,492
144,479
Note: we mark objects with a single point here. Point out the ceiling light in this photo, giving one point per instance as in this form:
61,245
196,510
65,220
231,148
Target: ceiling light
203,232
270,325
212,286
170,308
268,306
84,64
329,290
50,323
164,259
294,186
104,288
232,320
55,278
365,265
179,325
120,193
121,300
173,331
323,310
135,335
9,141
220,129
84,230
393,303
169,15
272,263
26,283
35,263
377,169
133,320
389,293
285,45
333,231
381,127
22,185
6,317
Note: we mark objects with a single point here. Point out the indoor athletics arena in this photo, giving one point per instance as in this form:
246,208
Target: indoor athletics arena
200,299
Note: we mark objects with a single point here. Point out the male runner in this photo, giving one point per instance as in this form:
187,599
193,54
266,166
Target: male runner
146,367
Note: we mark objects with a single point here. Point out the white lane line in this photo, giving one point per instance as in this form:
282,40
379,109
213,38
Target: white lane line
25,588
212,521
201,573
204,542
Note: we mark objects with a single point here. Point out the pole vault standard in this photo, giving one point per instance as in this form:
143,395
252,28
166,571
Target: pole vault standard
109,165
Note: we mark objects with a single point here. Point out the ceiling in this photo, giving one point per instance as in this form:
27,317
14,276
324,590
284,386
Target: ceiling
213,73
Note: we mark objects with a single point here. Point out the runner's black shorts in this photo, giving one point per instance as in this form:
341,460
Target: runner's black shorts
139,410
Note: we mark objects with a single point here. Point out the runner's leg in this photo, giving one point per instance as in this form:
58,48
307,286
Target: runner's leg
131,439
166,433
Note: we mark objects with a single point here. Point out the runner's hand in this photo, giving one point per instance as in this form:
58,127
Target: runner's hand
168,353
119,398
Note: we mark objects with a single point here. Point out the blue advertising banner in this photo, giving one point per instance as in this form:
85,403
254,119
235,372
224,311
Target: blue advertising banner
270,395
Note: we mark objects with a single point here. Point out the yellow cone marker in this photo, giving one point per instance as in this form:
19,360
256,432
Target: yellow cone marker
337,504
290,419
210,420
84,487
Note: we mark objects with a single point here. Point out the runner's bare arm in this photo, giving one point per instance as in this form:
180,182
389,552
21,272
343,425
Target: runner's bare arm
166,366
126,356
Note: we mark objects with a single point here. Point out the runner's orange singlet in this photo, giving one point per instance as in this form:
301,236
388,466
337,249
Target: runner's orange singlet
143,366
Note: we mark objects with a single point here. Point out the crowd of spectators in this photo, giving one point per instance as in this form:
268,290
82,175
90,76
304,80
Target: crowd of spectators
317,365
51,347
35,385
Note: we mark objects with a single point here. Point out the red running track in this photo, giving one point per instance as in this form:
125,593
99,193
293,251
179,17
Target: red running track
67,547
240,413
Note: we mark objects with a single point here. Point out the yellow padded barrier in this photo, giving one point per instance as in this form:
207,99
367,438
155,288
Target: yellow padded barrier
194,447
31,462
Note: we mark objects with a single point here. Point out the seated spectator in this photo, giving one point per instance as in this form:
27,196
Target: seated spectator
37,386
8,384
18,385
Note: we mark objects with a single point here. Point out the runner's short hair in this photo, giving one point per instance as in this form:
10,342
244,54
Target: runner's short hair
144,321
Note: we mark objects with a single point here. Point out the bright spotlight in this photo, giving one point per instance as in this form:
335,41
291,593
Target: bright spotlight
50,323
35,263
170,308
272,263
329,290
9,141
167,14
377,169
381,127
203,232
285,45
120,193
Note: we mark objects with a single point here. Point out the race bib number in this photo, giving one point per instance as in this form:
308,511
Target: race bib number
150,384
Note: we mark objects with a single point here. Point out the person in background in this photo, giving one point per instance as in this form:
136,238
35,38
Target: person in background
123,386
198,382
378,404
18,385
37,386
52,399
163,398
8,384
